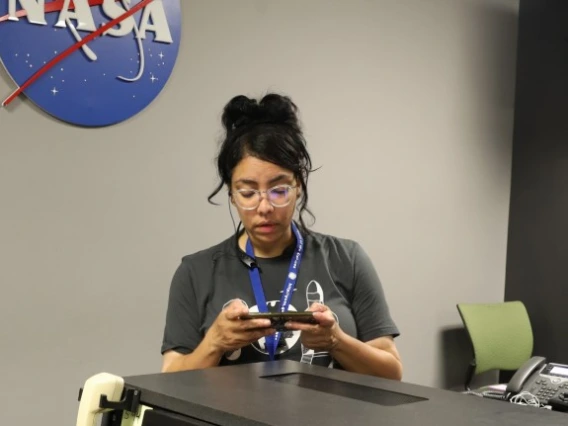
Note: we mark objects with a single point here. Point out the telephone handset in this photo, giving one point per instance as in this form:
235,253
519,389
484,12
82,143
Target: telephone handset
541,379
521,376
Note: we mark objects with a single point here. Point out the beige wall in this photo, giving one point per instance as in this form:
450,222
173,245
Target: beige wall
407,106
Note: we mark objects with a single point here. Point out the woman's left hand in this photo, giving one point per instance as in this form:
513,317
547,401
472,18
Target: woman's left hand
322,336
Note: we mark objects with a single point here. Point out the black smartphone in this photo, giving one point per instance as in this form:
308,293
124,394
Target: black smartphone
278,319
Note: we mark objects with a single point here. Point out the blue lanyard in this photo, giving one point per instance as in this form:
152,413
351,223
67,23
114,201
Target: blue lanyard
272,340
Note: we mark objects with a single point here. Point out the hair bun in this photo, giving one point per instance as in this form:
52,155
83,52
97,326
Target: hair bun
242,111
238,110
280,109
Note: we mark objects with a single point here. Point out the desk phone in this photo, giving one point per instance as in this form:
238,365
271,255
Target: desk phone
544,380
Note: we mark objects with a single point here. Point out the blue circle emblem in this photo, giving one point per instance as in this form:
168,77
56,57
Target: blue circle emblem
90,62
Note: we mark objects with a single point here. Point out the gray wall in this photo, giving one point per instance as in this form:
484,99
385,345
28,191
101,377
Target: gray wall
408,108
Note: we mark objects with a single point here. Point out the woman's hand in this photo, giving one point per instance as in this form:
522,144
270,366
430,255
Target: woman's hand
322,336
229,332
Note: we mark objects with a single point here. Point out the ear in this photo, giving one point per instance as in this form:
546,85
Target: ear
230,193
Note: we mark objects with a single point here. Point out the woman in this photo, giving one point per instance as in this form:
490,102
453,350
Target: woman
275,264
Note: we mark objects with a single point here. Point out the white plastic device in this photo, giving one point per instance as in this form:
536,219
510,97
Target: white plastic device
95,386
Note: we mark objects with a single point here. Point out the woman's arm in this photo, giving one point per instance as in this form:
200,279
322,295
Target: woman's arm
374,350
228,332
203,356
378,357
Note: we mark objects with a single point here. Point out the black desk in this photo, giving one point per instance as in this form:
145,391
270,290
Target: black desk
287,393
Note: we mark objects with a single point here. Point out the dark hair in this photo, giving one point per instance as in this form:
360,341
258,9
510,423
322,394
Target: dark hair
268,130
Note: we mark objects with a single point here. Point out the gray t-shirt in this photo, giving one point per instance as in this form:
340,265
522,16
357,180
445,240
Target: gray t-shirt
333,271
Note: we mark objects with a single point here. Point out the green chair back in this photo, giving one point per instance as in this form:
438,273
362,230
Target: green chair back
501,334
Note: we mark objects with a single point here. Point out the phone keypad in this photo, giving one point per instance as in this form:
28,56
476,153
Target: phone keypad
546,393
544,390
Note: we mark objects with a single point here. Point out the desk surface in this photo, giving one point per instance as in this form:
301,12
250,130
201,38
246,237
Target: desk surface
286,393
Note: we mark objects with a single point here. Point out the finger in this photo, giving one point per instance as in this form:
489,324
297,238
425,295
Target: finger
325,319
232,314
235,309
247,337
259,334
302,326
317,307
254,324
235,303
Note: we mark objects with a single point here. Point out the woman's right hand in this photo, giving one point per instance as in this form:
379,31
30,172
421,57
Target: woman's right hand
229,332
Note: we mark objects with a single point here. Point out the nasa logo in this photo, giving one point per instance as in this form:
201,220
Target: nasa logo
90,62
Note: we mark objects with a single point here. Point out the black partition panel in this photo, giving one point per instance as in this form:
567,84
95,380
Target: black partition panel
537,254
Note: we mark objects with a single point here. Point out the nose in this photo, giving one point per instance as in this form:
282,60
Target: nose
264,207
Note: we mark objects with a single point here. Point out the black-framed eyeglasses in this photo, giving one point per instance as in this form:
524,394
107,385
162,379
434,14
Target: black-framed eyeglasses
277,196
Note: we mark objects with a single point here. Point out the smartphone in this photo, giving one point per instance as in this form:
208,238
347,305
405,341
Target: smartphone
278,319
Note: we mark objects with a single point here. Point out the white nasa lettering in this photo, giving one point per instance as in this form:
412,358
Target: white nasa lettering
159,25
153,18
82,14
113,10
35,9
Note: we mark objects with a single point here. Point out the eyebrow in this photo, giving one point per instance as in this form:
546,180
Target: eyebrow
275,179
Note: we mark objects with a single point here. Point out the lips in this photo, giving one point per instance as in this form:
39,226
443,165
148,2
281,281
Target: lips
265,227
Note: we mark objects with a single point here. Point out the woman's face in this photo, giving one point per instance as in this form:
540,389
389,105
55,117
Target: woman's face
266,224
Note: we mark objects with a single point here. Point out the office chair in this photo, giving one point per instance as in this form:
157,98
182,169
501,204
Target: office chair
500,333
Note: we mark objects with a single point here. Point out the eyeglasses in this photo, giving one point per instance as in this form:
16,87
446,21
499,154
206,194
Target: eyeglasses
278,196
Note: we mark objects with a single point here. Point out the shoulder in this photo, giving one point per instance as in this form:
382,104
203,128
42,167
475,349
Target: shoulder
197,266
332,245
210,254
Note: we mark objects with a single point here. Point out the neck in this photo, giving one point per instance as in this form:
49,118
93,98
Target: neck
266,250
